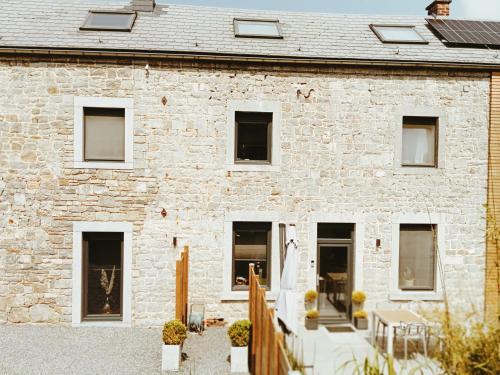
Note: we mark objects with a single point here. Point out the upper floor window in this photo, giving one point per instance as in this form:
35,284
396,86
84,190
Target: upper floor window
103,133
397,34
417,257
419,144
109,20
253,134
257,28
104,130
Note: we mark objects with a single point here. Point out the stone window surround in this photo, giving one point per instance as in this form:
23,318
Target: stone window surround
413,111
397,294
234,106
88,226
231,295
359,237
80,102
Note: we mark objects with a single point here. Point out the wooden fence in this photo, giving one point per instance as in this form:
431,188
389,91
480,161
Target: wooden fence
181,286
267,354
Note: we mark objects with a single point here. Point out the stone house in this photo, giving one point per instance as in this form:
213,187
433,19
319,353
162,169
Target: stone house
128,130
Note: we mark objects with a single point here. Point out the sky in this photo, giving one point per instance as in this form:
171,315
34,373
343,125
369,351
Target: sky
471,9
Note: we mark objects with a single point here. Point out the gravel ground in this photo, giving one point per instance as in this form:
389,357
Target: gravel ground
30,350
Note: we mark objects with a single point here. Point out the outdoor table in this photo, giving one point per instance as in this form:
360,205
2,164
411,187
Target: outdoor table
391,319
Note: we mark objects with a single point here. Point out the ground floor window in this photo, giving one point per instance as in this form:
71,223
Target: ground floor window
251,244
102,262
417,257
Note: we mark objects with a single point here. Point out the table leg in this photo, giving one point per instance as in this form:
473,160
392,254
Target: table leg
390,339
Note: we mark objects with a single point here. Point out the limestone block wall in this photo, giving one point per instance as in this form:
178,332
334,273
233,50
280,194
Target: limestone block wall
337,146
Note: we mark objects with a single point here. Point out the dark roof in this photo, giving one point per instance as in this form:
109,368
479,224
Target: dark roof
175,29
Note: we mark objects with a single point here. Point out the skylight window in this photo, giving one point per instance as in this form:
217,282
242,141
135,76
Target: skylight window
397,34
257,28
109,20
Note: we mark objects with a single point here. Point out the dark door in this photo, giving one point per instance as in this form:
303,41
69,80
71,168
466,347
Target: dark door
334,281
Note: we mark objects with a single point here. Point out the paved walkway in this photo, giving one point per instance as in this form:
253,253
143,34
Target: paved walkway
51,350
342,353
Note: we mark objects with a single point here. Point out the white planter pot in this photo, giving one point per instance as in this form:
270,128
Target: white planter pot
171,357
293,372
239,359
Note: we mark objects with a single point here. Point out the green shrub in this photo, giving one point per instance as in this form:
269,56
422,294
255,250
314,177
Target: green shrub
470,347
174,332
239,332
312,314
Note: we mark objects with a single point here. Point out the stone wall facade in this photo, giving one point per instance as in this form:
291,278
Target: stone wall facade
337,146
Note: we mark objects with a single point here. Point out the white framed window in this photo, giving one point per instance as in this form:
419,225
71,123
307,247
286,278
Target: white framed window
250,237
103,132
255,28
398,34
420,140
102,251
109,20
253,131
417,249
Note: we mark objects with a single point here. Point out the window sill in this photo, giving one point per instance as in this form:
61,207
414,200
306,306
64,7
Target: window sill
417,170
102,165
416,296
243,296
253,168
102,323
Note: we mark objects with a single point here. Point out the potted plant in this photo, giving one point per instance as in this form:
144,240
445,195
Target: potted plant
312,319
239,333
174,334
408,278
360,319
310,297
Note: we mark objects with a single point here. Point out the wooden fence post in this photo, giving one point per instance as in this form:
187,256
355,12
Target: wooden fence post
185,284
181,286
267,354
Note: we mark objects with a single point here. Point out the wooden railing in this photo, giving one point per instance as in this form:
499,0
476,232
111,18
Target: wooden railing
181,286
267,354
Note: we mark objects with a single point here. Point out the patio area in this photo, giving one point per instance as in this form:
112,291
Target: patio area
345,351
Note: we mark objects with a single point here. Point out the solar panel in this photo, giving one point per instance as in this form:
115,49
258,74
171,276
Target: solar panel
467,32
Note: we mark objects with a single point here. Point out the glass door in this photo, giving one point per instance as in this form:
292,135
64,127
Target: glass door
334,281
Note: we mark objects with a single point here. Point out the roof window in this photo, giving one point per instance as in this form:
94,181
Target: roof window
257,28
109,20
398,34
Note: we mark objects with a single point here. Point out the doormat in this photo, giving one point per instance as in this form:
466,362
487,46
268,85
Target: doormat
339,329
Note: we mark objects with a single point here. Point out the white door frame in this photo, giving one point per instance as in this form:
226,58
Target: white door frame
358,244
95,226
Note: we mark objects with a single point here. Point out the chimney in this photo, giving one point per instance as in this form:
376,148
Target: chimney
439,8
143,5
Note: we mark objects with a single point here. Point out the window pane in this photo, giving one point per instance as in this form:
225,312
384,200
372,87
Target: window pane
253,131
257,28
398,34
251,244
419,141
106,20
103,265
416,257
104,134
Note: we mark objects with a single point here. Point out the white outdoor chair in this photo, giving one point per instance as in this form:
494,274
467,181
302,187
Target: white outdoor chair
412,331
435,329
385,306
